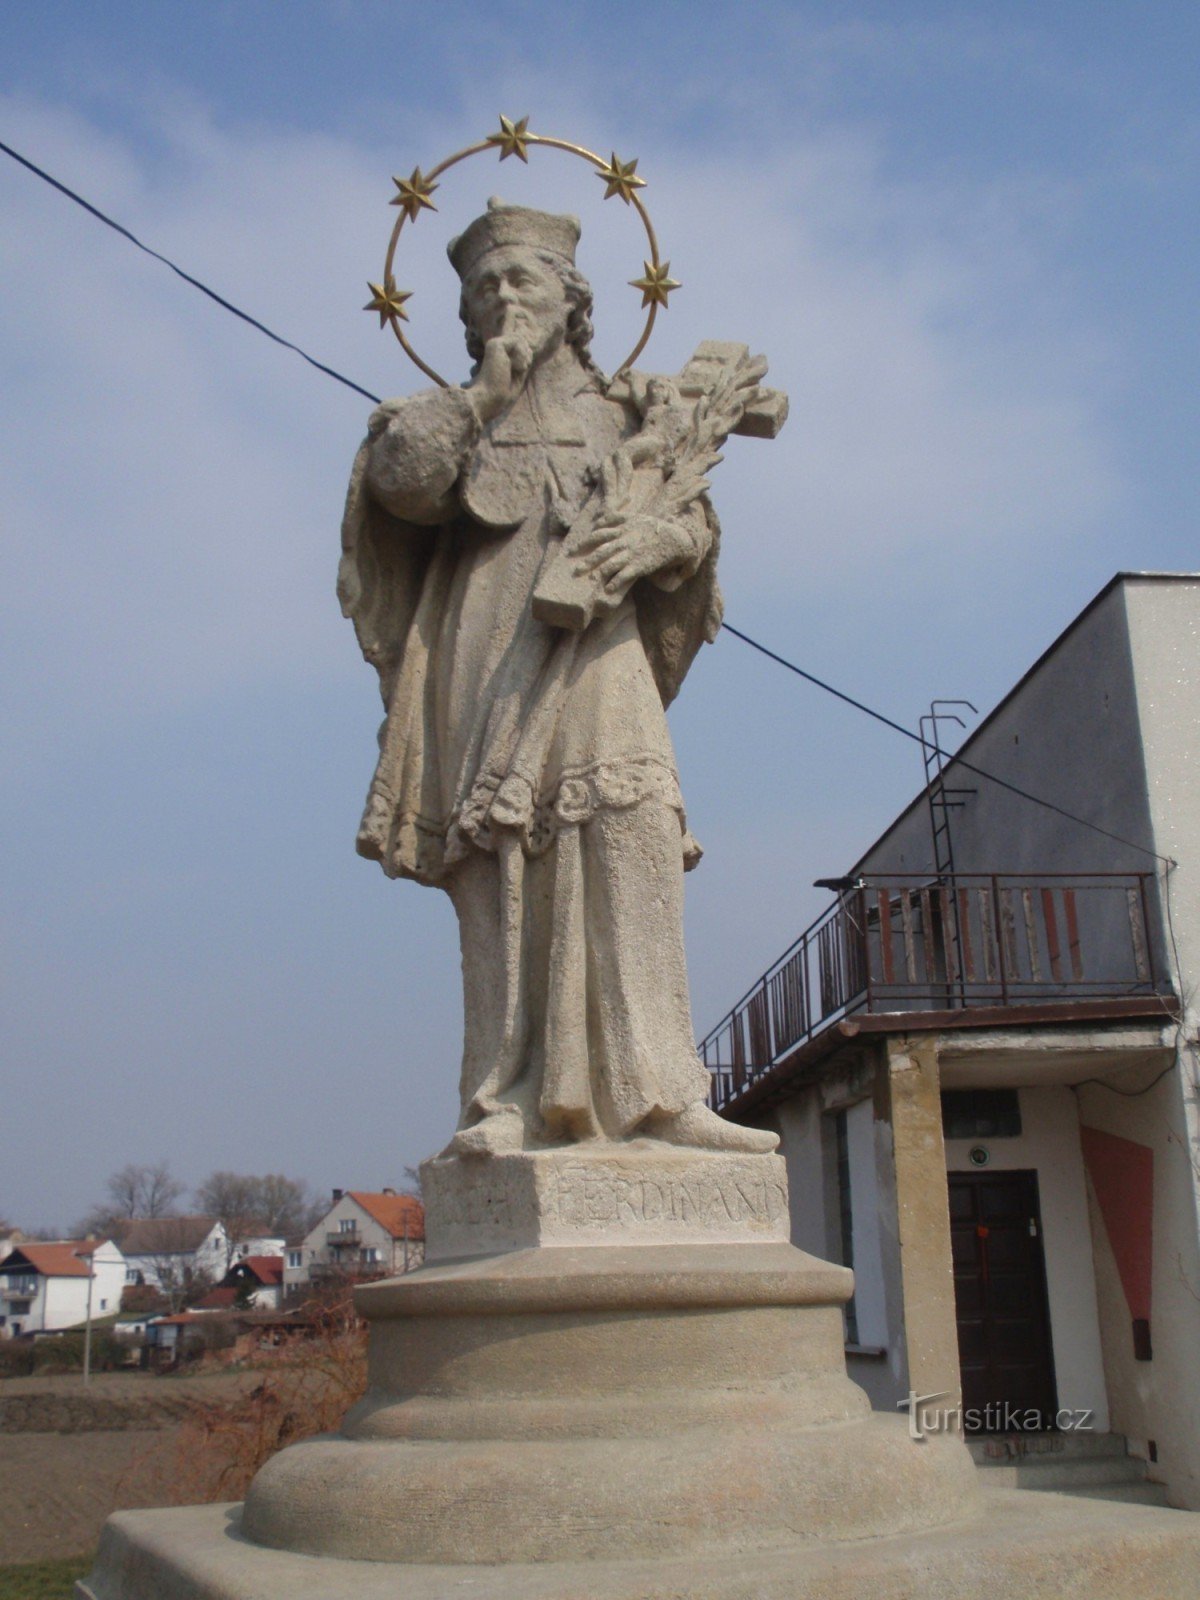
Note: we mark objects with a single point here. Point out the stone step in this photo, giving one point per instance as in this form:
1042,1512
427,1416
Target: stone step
1005,1448
1083,1472
1139,1494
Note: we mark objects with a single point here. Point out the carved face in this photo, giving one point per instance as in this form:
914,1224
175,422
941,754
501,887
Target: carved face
511,293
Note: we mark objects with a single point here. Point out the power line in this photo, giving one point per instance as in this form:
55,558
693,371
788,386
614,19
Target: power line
967,766
782,661
226,305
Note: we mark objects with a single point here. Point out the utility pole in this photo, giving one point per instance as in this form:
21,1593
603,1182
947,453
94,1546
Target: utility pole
87,1327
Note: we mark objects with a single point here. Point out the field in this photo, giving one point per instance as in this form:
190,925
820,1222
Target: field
41,1580
70,1455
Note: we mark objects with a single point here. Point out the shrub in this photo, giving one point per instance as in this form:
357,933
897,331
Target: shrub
308,1389
64,1352
16,1358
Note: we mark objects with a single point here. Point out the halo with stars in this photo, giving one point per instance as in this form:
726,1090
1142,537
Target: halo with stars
414,195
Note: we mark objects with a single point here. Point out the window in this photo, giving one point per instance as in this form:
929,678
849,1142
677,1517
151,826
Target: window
295,1258
131,1275
371,1254
104,1305
981,1114
347,1225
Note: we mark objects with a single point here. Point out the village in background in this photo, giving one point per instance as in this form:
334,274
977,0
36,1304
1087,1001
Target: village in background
255,1265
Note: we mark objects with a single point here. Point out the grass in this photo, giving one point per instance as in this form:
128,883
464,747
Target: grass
43,1580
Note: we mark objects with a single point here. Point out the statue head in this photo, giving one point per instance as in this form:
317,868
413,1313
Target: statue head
518,274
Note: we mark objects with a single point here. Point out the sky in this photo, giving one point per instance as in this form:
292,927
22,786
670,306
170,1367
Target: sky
965,237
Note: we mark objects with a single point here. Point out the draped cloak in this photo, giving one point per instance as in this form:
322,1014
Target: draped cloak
524,768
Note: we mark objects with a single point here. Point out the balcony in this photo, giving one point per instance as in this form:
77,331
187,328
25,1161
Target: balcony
903,943
349,1237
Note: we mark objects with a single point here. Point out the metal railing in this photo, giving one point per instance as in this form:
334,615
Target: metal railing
906,942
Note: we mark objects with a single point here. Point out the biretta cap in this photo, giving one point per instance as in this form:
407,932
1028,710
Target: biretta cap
502,224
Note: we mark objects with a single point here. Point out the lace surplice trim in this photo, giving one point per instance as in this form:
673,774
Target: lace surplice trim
409,845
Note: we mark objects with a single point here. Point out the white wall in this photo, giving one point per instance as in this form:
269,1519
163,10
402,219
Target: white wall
802,1124
1049,1145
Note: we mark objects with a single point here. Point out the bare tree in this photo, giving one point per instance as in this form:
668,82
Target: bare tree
146,1190
271,1205
285,1204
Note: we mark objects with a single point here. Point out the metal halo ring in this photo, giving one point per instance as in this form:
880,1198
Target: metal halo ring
513,139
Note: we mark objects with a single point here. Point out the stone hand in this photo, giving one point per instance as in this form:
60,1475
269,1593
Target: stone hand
501,375
626,549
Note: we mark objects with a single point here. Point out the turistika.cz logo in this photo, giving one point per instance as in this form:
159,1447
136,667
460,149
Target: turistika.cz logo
926,1417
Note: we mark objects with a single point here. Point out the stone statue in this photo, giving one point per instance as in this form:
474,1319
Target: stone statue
530,563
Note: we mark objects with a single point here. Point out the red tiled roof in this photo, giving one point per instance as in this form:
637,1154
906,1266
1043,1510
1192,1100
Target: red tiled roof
397,1213
216,1300
267,1269
59,1260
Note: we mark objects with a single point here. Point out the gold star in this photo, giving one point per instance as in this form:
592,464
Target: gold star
388,300
656,284
414,194
619,176
512,138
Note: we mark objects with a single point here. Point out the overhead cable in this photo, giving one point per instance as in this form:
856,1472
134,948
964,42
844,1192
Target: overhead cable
897,727
959,761
226,305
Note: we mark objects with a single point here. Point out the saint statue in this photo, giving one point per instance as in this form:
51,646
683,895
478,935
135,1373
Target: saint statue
525,764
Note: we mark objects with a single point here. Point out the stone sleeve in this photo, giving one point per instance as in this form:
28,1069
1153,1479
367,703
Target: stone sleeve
694,523
418,449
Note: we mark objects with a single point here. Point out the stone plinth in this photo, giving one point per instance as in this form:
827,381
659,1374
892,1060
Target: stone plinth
1038,1546
637,1193
647,1400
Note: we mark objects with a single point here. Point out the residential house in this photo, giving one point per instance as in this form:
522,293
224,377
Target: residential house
363,1234
259,1244
173,1253
45,1287
982,1062
254,1281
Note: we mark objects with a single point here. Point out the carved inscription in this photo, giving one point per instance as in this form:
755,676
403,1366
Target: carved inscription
580,1195
515,1198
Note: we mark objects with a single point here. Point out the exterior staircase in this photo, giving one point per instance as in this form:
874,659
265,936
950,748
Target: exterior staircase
1096,1466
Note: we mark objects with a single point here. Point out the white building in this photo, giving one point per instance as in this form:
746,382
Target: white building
173,1253
362,1234
46,1287
982,1062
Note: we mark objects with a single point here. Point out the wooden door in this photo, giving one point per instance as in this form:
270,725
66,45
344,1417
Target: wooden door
1000,1298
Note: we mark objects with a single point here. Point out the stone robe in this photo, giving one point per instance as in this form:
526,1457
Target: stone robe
526,769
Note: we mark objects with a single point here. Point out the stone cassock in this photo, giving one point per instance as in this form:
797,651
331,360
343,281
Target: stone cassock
526,768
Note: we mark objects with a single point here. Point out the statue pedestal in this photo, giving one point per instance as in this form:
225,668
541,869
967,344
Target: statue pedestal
638,1193
613,1422
606,1403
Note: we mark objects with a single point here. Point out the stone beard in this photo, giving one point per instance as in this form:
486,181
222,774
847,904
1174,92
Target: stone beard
527,768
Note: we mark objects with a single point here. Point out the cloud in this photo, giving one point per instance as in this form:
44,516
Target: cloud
189,702
174,480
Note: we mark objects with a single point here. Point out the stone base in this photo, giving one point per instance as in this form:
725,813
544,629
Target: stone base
607,1402
635,1193
1040,1546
